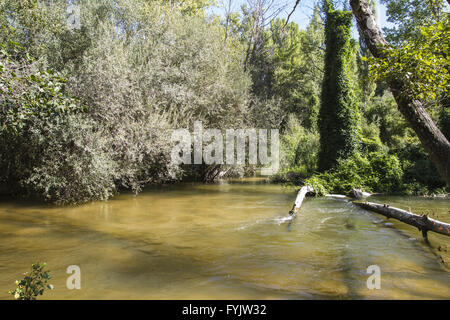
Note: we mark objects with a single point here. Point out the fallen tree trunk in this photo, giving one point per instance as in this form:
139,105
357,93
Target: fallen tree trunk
359,194
354,194
299,200
422,222
336,196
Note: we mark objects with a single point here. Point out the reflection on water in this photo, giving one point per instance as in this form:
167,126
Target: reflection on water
224,241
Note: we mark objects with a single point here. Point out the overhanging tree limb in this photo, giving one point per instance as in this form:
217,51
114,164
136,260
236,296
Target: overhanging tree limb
432,139
289,15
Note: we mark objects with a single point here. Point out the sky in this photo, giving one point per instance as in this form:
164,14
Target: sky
304,11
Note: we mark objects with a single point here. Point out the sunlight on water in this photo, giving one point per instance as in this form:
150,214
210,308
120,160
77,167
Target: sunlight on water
224,241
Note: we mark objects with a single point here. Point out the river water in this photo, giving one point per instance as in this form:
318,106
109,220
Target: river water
232,240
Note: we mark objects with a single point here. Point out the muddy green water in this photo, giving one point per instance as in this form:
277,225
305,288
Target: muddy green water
224,241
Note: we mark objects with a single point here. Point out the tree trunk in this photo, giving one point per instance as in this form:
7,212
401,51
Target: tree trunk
423,223
299,200
432,139
212,172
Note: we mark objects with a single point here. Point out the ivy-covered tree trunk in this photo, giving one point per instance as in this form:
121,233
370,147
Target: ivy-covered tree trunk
432,139
339,115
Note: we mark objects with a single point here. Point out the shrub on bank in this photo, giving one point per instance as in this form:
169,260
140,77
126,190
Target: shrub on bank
52,146
374,172
33,284
135,76
298,154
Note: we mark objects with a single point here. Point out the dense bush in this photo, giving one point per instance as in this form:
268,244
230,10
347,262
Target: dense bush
135,76
376,171
390,159
51,145
382,112
299,150
420,175
41,127
127,56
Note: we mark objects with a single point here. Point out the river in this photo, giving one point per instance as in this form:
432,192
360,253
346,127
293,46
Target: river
232,240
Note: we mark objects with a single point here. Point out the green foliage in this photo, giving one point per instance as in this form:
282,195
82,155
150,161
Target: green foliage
376,171
33,284
178,67
339,116
54,147
136,76
30,23
286,61
389,156
409,15
87,112
189,7
313,42
48,144
420,175
299,150
299,72
370,139
286,64
382,112
403,167
28,96
422,62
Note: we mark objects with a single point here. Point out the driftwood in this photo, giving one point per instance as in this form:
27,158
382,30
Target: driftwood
299,200
354,194
422,222
359,194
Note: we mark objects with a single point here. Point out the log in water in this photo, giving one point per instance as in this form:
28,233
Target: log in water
422,222
299,199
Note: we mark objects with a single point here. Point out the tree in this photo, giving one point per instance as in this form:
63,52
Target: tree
313,46
138,76
289,68
284,42
339,115
432,139
409,15
367,85
257,16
